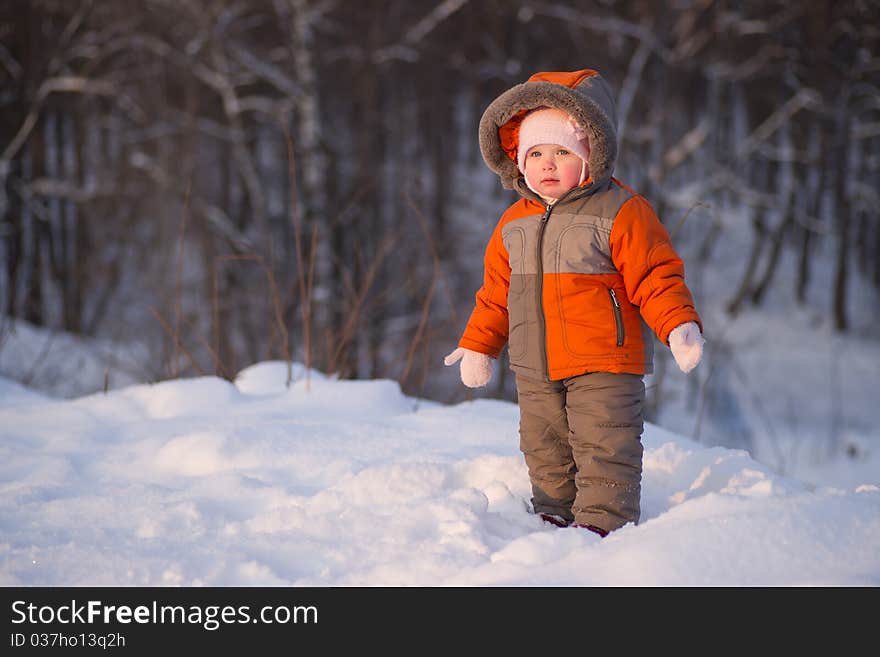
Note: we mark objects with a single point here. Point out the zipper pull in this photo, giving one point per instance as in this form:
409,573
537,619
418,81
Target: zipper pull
614,298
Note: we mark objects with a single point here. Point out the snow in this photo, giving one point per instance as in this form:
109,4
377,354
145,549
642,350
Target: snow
67,365
326,482
799,399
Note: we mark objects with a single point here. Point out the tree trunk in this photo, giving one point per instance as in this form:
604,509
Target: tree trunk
312,170
843,215
814,190
745,285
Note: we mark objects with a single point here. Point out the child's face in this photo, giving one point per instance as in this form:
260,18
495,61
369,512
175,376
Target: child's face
552,169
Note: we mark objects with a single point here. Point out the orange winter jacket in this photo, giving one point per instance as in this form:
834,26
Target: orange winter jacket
579,285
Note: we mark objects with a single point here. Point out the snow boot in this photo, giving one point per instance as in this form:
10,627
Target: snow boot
554,520
594,529
562,522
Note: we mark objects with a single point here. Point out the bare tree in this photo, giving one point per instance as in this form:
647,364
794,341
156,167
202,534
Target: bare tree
186,172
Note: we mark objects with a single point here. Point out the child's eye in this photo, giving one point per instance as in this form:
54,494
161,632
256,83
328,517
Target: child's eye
562,151
535,154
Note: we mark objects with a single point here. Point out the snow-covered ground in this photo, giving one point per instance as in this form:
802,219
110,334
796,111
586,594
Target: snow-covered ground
66,365
341,483
777,379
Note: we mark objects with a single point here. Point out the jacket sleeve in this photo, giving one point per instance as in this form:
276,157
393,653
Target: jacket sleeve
487,328
652,271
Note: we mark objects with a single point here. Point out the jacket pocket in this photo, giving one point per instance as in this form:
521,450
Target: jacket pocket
618,317
518,333
515,244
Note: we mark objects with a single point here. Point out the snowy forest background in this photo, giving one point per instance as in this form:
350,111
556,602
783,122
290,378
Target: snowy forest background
193,186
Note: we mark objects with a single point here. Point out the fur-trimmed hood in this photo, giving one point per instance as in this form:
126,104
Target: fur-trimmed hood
583,94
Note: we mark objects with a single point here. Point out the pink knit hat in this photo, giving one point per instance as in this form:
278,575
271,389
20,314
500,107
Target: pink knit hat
551,126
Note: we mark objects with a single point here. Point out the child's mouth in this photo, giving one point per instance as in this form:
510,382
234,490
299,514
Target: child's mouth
549,180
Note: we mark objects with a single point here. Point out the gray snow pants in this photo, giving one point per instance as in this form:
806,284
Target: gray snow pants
581,438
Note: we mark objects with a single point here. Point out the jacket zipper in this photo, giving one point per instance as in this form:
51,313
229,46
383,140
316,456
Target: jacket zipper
618,316
539,286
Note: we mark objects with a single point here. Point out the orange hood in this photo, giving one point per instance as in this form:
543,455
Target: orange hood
584,94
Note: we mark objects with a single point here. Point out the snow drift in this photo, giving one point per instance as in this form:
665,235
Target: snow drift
350,483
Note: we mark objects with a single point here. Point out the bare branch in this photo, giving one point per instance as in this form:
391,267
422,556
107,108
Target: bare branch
805,97
748,68
9,62
214,215
66,189
266,71
588,20
66,84
405,48
691,141
630,86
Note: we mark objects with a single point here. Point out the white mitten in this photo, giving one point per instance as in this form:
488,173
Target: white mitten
476,368
686,344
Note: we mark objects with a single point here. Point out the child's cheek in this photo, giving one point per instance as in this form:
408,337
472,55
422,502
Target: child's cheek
532,173
572,175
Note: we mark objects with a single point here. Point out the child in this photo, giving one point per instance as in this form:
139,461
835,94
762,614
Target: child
576,275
